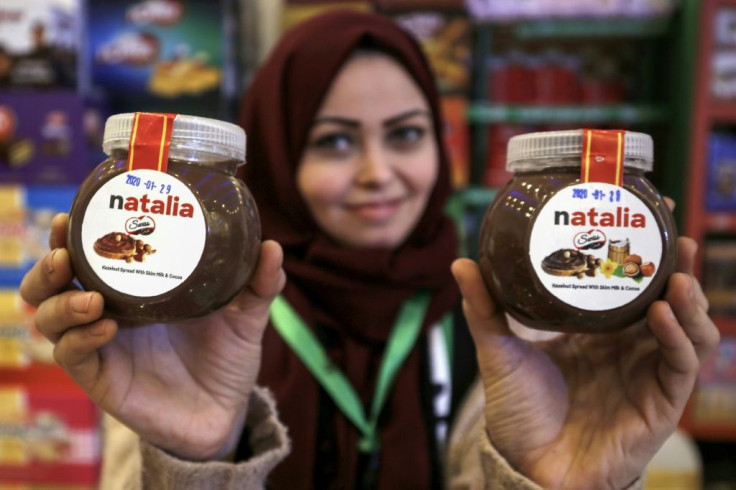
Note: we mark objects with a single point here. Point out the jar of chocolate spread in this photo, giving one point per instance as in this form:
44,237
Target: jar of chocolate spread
578,240
162,228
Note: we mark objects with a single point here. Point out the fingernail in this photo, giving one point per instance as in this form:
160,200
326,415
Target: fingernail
691,289
98,329
48,264
80,302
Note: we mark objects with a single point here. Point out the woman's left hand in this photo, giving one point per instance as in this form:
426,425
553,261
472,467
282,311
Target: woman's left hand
590,410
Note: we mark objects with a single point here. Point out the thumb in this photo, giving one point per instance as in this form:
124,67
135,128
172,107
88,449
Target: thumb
485,318
499,350
253,302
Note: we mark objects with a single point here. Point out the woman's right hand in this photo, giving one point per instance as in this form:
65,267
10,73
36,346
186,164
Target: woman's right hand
182,387
590,410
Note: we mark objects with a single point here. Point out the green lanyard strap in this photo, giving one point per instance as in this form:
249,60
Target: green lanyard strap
306,346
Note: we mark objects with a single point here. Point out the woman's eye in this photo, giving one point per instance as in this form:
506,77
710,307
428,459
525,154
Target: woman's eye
406,135
333,142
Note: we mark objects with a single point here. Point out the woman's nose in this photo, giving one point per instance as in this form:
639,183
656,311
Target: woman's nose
375,166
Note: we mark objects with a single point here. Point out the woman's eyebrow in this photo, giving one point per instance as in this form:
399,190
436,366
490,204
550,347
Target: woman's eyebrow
353,123
405,115
343,121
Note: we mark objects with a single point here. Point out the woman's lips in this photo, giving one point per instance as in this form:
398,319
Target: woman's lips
375,211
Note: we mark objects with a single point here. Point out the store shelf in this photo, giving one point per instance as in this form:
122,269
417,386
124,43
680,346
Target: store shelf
476,197
598,27
469,198
720,222
722,111
710,413
487,113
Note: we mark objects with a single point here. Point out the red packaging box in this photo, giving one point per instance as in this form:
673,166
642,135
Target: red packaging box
49,432
457,138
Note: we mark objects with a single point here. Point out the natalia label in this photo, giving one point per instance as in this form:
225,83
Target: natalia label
595,246
143,233
168,206
620,217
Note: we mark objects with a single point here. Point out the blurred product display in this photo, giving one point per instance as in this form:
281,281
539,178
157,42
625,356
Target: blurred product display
446,38
164,55
65,66
555,77
40,43
49,433
710,219
495,173
525,9
25,223
723,57
719,276
715,400
720,191
295,11
41,140
457,137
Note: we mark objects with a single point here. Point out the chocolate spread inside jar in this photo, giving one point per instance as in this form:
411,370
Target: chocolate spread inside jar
578,240
162,228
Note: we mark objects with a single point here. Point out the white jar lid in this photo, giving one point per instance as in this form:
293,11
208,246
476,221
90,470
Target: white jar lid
192,133
535,151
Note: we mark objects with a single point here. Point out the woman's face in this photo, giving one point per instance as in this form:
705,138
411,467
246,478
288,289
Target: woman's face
371,159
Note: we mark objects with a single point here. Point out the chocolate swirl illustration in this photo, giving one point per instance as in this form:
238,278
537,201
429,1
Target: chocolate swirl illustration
115,245
565,262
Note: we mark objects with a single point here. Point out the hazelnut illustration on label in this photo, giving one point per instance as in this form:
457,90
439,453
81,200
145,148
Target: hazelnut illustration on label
572,262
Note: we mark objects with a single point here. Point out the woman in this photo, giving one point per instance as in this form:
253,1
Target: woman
351,180
346,164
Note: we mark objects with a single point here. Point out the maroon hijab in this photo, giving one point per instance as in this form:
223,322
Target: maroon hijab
352,295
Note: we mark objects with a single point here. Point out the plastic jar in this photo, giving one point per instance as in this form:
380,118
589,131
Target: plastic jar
578,240
162,228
